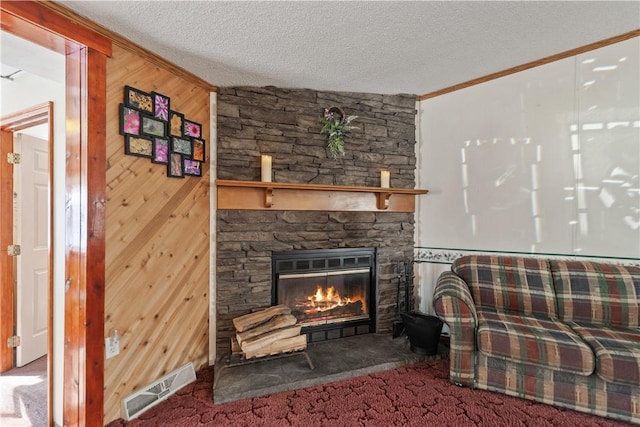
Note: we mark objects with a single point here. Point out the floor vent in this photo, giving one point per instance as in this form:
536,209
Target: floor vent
139,401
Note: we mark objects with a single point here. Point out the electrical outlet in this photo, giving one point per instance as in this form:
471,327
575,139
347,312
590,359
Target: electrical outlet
112,345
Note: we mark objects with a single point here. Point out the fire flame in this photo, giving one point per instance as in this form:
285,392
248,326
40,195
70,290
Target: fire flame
322,301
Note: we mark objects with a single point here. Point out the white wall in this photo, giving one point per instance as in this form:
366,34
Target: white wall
545,161
26,90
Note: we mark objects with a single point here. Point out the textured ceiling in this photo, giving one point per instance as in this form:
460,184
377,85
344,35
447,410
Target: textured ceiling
368,46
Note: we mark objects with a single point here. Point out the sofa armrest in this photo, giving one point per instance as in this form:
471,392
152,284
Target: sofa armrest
453,303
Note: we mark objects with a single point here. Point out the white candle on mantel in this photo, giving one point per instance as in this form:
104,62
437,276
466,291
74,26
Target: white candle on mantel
266,168
384,179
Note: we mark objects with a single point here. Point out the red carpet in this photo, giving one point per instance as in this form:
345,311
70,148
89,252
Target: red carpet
416,395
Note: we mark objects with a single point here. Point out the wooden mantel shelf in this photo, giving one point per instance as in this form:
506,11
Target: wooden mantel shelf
256,195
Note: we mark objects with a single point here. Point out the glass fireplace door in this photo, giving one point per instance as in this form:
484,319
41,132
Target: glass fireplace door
326,297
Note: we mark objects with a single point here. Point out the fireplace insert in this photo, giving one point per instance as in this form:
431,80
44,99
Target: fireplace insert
330,291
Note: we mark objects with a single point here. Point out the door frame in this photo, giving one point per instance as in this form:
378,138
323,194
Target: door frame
24,119
85,199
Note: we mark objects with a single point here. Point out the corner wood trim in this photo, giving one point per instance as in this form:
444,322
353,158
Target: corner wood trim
533,64
253,195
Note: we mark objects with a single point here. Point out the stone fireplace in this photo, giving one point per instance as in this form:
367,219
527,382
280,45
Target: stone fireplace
284,123
331,292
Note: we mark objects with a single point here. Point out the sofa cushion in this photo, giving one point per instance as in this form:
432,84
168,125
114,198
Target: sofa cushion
597,293
617,351
504,283
527,339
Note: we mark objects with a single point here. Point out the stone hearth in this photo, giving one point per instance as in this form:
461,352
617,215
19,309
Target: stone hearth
334,360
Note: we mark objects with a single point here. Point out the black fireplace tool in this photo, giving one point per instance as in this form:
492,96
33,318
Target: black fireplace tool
405,278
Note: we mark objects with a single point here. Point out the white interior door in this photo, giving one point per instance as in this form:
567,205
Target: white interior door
31,195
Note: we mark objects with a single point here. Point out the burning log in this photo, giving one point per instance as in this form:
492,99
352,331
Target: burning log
268,332
354,308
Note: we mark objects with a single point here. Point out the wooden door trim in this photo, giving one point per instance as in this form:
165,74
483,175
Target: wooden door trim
118,40
85,175
7,315
47,25
34,116
85,240
28,117
94,175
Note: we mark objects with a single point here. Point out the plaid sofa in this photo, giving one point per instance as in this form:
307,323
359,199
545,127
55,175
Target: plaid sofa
565,333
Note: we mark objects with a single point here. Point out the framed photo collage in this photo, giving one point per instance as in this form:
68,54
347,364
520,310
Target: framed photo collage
151,129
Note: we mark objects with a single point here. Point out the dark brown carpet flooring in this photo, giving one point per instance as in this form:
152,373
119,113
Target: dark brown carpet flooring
414,395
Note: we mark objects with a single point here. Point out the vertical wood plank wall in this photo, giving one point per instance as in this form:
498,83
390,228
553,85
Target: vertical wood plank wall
157,243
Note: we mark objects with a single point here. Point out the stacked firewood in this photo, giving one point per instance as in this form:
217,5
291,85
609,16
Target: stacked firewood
267,332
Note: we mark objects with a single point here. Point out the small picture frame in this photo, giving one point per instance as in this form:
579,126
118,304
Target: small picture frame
160,106
153,127
175,123
138,99
192,129
175,167
130,123
138,146
193,168
160,151
197,149
183,146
